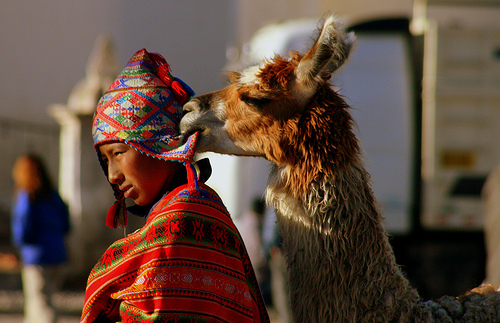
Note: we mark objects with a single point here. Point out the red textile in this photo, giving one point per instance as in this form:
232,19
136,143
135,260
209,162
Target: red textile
187,264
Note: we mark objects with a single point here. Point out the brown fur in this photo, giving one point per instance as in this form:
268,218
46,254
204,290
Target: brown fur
341,266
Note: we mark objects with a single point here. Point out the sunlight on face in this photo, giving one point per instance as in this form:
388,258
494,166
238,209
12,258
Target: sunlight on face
140,177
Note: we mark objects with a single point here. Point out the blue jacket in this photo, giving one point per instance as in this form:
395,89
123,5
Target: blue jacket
39,228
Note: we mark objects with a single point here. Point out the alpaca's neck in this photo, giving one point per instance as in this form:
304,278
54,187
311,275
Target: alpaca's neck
341,266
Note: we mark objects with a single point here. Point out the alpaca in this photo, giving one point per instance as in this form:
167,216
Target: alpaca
340,263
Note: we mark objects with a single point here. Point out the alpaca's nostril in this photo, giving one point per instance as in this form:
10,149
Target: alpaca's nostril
188,107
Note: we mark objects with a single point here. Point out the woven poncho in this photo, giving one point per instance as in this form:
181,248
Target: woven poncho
187,264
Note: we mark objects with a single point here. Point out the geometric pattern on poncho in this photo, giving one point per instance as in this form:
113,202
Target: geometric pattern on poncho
187,264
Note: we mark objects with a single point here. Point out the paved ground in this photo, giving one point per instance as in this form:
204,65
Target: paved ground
11,306
18,318
69,303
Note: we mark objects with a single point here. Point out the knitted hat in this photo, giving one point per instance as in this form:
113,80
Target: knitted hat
143,108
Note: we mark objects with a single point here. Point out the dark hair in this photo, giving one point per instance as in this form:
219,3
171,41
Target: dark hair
31,174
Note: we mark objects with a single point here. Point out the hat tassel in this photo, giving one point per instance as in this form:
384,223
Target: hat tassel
117,215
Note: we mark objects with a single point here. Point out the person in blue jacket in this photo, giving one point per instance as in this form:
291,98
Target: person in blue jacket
40,222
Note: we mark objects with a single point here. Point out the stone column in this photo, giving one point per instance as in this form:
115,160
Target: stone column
82,183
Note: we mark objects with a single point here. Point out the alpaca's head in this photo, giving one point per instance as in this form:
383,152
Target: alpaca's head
274,109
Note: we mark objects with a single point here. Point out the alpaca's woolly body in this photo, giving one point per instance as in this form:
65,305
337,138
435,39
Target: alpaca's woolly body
340,263
341,266
336,249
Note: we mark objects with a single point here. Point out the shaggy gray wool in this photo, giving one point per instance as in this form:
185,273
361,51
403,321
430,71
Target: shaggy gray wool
472,307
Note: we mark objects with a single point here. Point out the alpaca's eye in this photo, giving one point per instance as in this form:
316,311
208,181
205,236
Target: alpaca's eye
255,102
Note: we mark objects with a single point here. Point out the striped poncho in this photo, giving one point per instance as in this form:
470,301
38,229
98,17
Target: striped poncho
187,264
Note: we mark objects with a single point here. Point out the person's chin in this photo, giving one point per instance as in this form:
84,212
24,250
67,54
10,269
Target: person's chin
142,202
139,202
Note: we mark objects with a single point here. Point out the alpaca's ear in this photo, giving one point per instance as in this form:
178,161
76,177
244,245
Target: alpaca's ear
328,53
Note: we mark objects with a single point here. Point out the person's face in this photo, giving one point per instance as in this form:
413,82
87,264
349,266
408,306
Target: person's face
138,176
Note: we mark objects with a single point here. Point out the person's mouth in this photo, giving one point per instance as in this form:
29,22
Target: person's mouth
127,191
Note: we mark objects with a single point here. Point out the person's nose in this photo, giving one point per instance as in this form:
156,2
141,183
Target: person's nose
115,176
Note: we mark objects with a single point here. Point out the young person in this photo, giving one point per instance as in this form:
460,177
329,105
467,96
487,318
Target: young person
40,224
188,262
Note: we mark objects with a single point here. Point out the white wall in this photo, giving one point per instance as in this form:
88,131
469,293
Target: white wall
361,10
45,45
254,14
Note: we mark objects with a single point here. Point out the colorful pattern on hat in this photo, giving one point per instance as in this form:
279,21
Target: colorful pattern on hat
143,108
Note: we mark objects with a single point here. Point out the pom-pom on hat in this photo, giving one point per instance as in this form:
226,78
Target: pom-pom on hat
143,108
